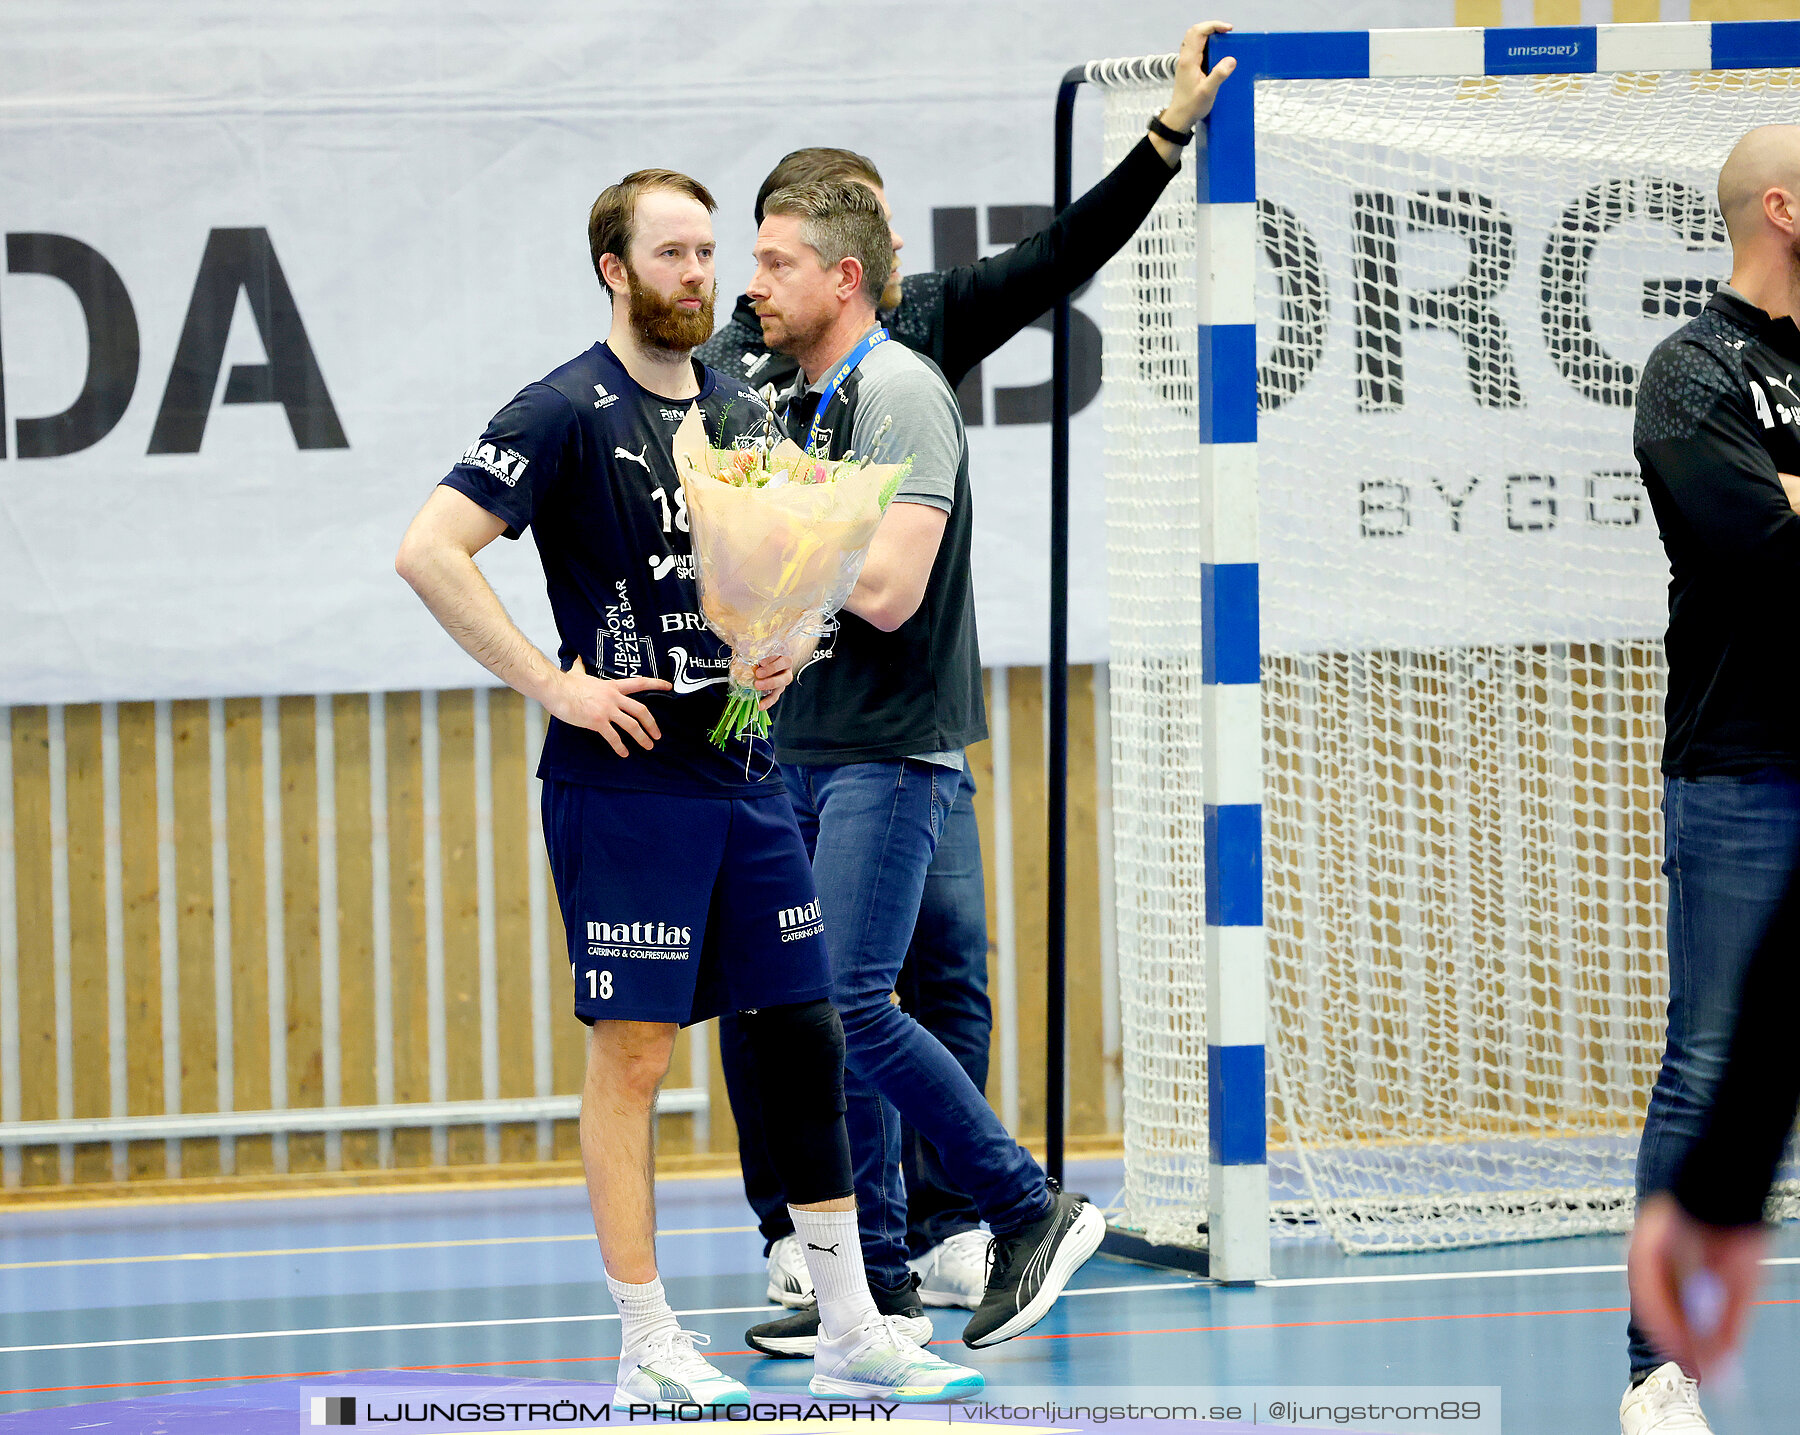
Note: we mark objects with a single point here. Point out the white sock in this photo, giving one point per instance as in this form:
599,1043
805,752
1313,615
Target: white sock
643,1310
833,1252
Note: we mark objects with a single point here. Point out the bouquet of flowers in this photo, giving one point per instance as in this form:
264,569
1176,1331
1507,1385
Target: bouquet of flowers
779,540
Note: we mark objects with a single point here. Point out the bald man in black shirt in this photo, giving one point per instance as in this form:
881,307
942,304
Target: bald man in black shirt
1717,435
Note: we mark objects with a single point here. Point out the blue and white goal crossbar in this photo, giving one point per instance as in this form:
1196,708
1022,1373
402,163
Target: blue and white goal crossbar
1226,243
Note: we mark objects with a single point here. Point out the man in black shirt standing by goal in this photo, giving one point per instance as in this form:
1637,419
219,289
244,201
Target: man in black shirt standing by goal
1717,434
956,318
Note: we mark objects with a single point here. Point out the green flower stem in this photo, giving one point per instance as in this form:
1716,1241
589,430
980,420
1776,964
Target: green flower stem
743,717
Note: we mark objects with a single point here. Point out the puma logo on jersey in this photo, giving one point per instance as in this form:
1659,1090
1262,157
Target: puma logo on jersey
637,458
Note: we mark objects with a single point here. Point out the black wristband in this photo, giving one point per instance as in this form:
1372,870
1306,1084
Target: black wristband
1163,132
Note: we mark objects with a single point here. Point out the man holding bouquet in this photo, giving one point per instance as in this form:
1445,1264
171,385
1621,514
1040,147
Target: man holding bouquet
871,746
956,317
673,861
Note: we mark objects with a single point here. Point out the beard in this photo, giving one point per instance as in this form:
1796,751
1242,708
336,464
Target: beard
660,322
785,337
891,293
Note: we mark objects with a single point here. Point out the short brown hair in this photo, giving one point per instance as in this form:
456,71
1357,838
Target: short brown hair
610,220
806,166
841,220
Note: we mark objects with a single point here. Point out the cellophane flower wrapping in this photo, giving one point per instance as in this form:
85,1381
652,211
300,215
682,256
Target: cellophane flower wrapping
779,540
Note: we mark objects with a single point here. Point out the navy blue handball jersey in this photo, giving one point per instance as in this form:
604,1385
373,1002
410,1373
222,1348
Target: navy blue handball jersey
582,459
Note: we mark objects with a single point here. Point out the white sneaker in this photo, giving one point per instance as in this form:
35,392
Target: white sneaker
790,1283
666,1370
954,1272
879,1361
1664,1404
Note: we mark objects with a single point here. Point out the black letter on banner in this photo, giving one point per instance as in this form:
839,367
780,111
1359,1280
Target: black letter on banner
954,242
1535,494
1305,306
1030,404
244,259
1384,507
112,334
1375,280
1568,322
1466,308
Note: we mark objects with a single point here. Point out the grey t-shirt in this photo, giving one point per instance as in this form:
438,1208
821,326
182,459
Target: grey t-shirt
898,394
914,692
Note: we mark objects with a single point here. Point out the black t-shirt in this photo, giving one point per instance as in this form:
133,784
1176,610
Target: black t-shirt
582,458
1718,418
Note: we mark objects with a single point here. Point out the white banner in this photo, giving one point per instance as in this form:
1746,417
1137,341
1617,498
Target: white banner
1471,280
269,270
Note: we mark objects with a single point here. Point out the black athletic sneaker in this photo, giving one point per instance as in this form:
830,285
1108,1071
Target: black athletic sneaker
797,1335
1028,1269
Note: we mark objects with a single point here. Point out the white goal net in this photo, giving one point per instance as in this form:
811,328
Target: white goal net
1463,597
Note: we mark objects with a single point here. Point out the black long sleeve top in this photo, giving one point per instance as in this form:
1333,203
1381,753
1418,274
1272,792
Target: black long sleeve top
957,317
1717,422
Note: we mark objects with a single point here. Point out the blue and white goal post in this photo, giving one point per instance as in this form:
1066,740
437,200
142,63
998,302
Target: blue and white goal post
1447,455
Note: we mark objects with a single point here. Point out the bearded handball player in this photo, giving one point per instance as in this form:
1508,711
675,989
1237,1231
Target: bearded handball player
672,861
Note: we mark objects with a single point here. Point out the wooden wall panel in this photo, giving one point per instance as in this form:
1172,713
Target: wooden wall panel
356,922
37,999
512,911
305,1077
88,985
249,928
406,876
194,925
297,927
1029,855
141,896
1085,1099
462,1007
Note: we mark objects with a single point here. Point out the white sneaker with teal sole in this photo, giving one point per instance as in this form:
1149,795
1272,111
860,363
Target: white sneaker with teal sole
954,1272
879,1361
666,1370
1667,1403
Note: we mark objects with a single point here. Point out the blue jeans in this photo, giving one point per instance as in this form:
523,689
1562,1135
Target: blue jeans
872,828
1733,845
943,984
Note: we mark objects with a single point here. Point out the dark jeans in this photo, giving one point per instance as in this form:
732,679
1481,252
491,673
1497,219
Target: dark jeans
943,985
1733,845
873,828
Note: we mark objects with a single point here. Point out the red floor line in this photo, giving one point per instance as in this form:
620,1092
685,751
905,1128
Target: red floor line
1066,1335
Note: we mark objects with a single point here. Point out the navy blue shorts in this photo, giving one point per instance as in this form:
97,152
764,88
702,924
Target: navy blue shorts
682,908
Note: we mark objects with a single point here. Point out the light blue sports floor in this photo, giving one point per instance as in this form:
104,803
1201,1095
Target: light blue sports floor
158,1317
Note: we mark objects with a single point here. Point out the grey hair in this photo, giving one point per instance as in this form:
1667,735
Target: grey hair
841,219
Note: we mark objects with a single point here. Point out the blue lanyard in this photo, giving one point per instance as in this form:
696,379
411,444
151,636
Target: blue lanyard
843,371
